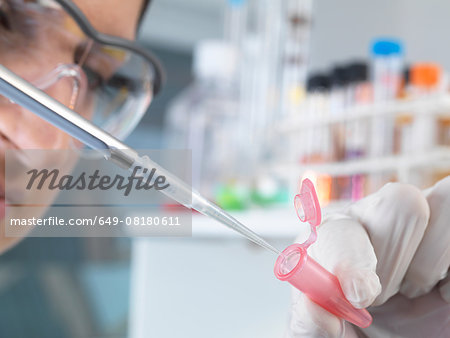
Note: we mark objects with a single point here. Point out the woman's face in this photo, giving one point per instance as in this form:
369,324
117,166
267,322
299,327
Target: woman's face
33,60
35,57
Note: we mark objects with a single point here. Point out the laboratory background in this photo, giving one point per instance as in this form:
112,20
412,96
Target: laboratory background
350,94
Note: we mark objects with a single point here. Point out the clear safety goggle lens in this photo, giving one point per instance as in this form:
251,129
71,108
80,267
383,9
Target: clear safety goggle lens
65,83
113,86
119,88
67,80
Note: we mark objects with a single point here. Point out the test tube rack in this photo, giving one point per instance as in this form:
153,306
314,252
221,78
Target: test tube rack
402,166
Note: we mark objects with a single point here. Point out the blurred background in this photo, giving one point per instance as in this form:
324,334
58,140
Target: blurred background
347,93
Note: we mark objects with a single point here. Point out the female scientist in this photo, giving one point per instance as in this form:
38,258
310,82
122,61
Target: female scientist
390,251
75,51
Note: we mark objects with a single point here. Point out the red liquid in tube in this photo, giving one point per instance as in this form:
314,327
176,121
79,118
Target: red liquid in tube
304,273
321,286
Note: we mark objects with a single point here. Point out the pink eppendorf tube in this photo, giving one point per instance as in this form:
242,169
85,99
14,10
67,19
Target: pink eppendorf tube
322,287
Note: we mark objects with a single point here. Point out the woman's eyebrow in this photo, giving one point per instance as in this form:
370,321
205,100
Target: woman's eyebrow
13,18
4,20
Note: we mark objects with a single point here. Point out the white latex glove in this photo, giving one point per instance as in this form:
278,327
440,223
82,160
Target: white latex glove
390,251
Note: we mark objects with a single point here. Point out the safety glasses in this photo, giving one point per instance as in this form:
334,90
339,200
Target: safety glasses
104,78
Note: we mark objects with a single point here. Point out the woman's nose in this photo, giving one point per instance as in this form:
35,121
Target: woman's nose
10,117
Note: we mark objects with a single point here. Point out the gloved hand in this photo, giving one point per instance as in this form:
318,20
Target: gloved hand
390,251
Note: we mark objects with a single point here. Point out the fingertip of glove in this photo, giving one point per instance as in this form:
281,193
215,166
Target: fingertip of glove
360,287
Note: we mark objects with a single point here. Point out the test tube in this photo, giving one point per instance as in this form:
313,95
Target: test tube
318,86
338,104
425,79
386,80
356,130
403,130
234,21
322,287
295,40
443,121
387,68
425,83
361,94
318,143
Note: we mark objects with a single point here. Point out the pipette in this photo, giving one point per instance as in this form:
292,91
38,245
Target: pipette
26,95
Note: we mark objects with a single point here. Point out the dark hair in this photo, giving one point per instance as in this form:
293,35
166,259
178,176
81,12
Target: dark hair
115,41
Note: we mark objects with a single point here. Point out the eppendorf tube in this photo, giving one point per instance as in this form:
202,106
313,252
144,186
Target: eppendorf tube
321,286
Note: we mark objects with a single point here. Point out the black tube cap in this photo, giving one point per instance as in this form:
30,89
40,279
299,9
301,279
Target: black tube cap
340,76
318,82
358,71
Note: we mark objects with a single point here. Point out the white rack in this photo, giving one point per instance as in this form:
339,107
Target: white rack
436,105
437,158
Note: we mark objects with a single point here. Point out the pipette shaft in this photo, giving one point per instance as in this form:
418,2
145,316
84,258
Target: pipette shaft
23,93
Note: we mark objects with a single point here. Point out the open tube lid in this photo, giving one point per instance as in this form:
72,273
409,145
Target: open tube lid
308,209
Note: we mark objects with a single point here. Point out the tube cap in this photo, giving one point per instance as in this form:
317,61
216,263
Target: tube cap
384,47
318,82
358,71
308,209
339,76
425,75
236,2
307,204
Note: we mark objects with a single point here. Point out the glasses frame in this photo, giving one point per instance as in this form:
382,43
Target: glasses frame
110,40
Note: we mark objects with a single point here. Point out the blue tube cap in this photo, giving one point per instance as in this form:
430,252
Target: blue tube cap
236,2
387,47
